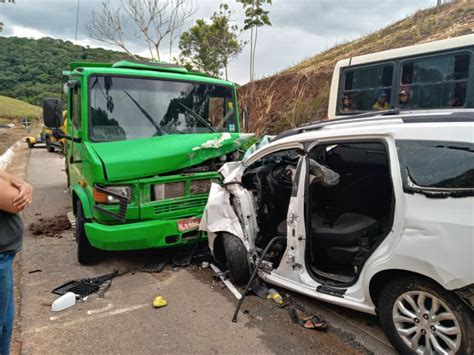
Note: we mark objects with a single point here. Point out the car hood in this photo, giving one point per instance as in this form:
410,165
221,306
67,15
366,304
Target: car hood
124,160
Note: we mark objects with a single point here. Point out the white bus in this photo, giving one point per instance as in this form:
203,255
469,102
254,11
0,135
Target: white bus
427,76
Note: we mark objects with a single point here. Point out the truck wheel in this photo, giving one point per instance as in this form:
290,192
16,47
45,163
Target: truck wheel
418,316
236,259
86,253
49,147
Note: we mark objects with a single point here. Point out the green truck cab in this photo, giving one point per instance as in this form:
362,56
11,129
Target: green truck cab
144,142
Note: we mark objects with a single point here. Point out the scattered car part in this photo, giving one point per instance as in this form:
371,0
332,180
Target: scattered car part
159,302
65,301
252,277
156,265
103,288
85,287
226,282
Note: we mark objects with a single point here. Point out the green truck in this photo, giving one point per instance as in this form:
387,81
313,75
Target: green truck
144,142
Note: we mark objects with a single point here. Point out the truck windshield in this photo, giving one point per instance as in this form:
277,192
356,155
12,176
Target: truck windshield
123,108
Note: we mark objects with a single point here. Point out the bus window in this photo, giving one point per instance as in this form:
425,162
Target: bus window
367,89
435,82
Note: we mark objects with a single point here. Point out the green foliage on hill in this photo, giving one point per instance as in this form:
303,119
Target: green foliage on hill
31,70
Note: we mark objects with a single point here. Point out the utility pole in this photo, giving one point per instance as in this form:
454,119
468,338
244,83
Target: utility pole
77,17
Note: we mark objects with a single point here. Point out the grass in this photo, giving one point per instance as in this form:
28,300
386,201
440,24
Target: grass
15,110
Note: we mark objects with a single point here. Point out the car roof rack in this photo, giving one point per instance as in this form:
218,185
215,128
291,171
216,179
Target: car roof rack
374,116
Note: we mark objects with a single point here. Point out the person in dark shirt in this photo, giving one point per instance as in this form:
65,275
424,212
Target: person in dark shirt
403,99
15,196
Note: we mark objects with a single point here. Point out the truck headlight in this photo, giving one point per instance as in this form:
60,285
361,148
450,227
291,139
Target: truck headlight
102,195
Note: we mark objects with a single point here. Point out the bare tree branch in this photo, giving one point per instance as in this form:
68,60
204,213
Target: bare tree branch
108,26
154,20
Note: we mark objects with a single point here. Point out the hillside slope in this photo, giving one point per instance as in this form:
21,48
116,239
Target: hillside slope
301,93
12,109
31,70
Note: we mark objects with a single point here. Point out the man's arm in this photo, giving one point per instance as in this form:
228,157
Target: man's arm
7,194
24,191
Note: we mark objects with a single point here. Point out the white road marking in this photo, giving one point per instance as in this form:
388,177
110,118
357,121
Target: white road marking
100,310
87,318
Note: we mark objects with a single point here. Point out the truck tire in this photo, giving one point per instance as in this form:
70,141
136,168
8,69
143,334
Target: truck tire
419,315
86,253
236,259
49,146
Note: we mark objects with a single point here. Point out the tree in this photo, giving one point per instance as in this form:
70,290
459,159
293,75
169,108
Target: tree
154,20
210,47
255,17
3,2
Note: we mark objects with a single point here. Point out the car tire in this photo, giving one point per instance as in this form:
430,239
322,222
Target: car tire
411,324
86,253
236,259
49,147
30,145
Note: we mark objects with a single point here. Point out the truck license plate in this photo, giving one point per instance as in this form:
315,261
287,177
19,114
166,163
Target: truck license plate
188,224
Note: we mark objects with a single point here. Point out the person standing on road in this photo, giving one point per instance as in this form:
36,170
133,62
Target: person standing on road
15,196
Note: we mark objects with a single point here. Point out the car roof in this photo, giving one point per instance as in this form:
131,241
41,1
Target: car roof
443,125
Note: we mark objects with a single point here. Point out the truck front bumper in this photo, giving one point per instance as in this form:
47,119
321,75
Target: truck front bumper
138,235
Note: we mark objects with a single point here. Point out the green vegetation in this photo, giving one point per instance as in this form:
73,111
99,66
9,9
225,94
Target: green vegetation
31,70
300,94
210,47
12,109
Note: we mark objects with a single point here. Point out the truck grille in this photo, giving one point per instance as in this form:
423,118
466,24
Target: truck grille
180,205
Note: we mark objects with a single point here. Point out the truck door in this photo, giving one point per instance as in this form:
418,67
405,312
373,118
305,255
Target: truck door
74,129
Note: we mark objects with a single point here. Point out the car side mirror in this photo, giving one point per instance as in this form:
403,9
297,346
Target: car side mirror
52,113
245,123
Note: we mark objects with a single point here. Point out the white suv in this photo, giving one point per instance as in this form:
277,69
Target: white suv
370,213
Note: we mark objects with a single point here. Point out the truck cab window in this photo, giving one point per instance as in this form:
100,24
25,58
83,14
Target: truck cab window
435,82
367,89
75,109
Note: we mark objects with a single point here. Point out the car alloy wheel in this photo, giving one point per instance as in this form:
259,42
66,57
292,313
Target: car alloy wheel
426,324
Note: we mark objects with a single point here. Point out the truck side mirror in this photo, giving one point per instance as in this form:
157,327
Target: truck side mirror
52,113
245,123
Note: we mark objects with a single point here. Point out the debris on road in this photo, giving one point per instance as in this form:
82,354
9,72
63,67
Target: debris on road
85,287
226,282
159,302
103,288
65,301
276,297
311,322
50,227
34,271
156,265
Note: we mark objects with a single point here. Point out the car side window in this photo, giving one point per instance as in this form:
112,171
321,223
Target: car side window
447,167
435,82
366,89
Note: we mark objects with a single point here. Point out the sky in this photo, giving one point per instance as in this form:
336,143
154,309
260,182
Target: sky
300,28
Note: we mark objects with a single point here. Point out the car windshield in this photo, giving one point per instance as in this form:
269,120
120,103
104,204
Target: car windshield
123,108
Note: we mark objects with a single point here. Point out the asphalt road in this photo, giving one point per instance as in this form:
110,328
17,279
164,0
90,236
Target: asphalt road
196,320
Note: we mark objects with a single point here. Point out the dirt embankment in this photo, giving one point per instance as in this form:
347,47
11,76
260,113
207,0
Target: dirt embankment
301,93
